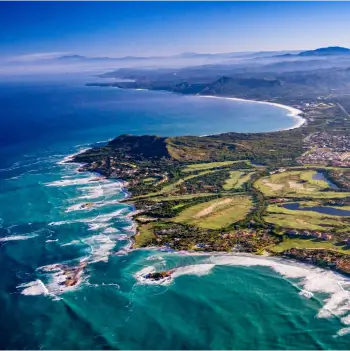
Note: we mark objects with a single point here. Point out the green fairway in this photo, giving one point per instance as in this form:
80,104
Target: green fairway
309,244
302,222
299,219
180,197
150,180
144,235
218,213
210,165
170,187
237,179
296,184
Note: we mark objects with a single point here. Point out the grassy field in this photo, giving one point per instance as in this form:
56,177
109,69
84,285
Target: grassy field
232,181
308,177
298,219
178,206
237,179
210,165
296,184
309,244
303,222
144,235
218,213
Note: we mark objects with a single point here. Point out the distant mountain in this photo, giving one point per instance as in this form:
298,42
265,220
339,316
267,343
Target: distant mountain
70,57
178,60
86,58
309,83
296,65
185,55
329,51
189,56
228,86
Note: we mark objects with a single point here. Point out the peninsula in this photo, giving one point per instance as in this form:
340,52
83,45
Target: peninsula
281,193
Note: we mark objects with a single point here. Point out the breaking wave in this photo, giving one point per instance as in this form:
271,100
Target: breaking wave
18,237
330,288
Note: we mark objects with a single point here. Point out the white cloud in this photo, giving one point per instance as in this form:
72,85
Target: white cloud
37,56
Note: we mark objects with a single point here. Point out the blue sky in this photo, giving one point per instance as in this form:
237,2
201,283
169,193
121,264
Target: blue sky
166,28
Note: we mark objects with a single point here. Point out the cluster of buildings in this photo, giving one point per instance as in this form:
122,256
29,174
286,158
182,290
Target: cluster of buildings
243,233
279,170
135,175
312,234
325,258
318,105
316,235
327,149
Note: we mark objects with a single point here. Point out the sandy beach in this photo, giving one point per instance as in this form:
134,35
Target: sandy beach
294,112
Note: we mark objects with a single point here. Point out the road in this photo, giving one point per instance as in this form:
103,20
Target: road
343,109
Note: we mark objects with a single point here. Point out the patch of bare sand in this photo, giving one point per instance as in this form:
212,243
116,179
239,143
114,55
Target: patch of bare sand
211,208
295,185
273,186
300,221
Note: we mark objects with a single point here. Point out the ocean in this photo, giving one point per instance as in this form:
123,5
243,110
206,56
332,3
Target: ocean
218,301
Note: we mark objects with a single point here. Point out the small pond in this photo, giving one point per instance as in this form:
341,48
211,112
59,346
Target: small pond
320,209
321,176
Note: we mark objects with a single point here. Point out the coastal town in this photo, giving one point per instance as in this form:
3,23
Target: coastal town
327,149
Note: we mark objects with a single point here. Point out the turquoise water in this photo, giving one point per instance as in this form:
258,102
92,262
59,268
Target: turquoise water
212,302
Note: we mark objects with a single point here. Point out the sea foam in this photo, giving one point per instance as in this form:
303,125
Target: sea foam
310,280
18,237
36,287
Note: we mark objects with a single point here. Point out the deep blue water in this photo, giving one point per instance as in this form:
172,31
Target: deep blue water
213,302
40,115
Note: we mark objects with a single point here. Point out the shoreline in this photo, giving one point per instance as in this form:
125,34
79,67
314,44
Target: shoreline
294,112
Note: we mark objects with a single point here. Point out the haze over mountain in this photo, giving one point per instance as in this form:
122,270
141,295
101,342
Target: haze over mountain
261,61
69,62
182,56
330,51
